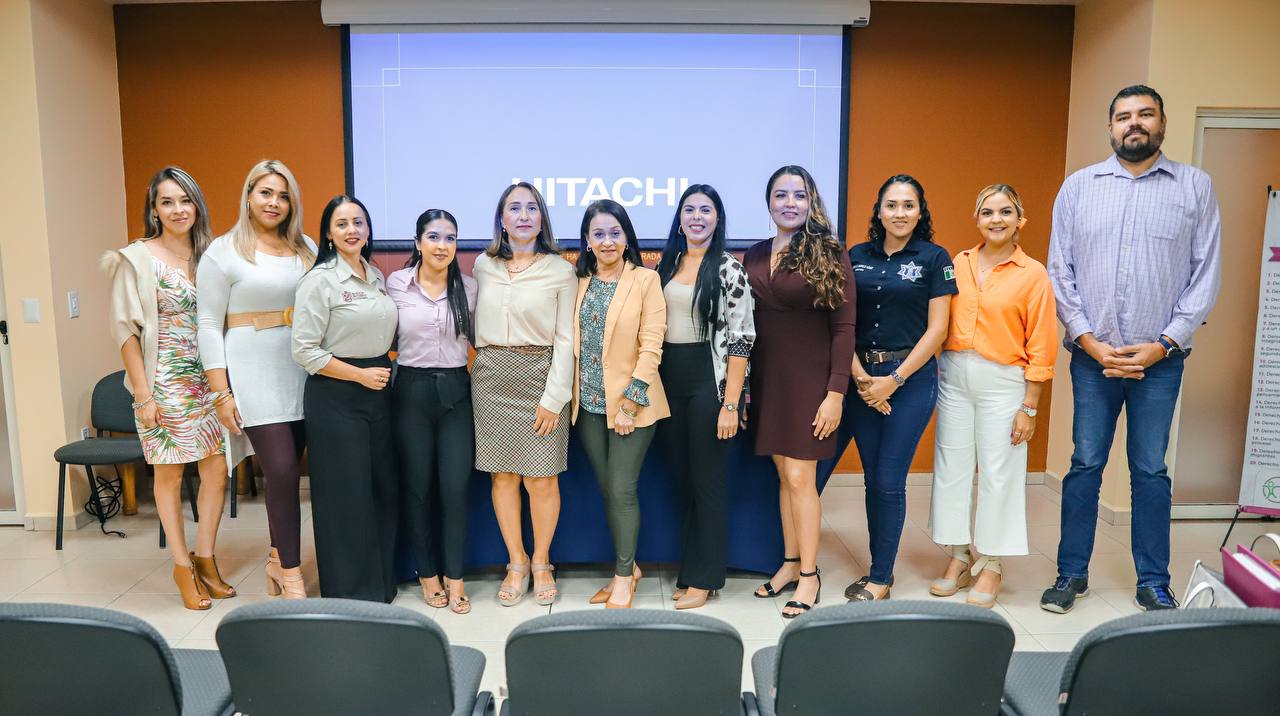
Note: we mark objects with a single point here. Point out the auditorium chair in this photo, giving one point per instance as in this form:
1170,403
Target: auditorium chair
64,659
341,656
624,662
894,657
1194,661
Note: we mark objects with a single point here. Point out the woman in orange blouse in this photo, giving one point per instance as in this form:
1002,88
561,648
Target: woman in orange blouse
997,358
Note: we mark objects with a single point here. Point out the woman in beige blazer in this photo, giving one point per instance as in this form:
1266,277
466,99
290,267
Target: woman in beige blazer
620,319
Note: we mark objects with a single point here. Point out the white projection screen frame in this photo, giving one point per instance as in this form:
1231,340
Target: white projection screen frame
446,116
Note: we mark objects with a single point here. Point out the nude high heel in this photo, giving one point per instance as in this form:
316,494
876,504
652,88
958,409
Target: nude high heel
284,581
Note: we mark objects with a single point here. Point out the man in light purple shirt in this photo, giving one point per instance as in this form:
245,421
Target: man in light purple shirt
1135,262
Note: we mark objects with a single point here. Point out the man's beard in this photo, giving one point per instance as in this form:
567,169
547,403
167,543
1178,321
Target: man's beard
1138,152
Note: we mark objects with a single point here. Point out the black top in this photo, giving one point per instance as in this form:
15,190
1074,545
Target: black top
894,291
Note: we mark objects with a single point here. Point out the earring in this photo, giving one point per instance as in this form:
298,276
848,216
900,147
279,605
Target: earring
154,217
504,232
680,230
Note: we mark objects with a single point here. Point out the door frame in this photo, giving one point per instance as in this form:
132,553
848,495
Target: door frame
18,515
1216,118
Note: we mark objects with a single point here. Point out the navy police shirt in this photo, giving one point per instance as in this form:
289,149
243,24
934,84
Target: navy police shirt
894,291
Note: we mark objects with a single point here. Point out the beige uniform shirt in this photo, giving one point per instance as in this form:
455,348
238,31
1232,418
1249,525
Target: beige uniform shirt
335,313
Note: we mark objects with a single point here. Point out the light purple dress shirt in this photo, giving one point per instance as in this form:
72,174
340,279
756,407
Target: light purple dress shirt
426,333
1132,258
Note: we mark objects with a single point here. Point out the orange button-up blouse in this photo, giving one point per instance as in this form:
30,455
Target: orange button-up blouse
1010,319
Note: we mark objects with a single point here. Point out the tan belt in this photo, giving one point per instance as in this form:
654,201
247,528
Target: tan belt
530,350
261,320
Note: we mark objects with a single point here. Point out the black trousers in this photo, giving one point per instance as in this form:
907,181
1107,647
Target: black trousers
435,439
696,457
353,485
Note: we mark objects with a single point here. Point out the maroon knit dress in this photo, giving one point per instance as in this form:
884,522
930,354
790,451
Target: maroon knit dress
800,353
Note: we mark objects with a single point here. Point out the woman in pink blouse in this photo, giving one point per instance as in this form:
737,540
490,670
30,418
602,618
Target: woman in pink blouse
432,404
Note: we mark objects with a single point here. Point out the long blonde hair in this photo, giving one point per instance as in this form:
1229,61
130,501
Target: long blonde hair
201,235
242,234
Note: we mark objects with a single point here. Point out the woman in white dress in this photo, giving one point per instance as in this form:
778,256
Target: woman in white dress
246,283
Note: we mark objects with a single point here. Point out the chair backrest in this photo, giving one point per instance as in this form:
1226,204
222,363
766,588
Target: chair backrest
1214,661
335,656
111,405
622,662
58,658
894,657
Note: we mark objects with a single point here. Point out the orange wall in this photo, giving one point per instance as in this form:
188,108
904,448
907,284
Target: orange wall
216,87
960,95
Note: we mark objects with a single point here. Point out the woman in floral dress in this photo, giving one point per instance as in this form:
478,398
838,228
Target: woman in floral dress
153,319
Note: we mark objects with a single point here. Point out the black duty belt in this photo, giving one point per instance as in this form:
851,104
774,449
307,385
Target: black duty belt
876,355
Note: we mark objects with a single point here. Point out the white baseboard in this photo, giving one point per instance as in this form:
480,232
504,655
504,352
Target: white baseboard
1107,512
48,522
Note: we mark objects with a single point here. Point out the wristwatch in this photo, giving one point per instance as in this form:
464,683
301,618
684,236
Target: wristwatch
1028,410
731,407
1169,346
897,378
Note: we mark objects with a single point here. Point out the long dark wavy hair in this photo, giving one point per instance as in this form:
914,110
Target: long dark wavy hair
500,247
455,288
586,264
328,252
706,288
815,251
924,228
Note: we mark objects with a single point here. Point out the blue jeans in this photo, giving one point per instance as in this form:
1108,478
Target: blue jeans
886,444
1149,407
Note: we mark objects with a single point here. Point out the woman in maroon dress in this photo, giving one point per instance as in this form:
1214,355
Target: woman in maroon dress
804,313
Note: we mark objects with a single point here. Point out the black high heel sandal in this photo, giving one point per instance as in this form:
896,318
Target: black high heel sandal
817,597
769,593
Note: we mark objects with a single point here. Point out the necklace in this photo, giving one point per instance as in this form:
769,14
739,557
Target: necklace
522,269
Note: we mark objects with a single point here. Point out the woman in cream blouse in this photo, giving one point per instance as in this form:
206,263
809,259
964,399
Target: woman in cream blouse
522,380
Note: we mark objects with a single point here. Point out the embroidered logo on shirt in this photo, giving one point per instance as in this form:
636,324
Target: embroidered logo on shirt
910,271
861,267
353,296
949,273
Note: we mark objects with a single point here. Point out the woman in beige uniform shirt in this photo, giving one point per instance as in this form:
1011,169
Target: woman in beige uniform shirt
343,325
522,380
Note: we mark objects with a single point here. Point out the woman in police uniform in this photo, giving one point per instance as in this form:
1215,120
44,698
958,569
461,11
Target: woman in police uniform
905,283
343,326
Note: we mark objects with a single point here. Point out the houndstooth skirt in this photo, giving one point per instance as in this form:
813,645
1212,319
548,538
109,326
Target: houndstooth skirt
506,386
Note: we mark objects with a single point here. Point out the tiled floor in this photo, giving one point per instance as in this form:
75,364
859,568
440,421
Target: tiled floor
132,575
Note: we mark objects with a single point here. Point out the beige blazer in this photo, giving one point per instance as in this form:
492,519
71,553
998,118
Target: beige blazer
633,331
134,307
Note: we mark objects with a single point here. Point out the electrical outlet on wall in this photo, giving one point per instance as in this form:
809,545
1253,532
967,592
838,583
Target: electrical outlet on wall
84,433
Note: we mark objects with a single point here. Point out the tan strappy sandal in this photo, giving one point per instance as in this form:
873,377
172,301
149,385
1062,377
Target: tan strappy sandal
547,593
510,595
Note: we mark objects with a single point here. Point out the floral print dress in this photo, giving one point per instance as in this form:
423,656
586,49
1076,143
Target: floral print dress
188,429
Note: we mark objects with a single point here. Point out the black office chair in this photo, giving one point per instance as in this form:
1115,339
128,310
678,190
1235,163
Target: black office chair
340,656
624,661
63,659
1195,661
109,411
896,657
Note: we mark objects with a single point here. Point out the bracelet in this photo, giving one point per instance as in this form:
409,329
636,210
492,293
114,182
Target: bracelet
150,398
220,396
628,413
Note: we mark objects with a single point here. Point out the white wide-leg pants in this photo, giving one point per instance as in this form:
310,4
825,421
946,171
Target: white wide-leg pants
977,401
